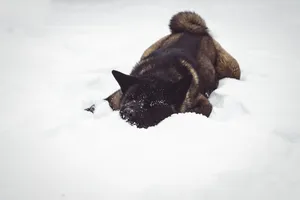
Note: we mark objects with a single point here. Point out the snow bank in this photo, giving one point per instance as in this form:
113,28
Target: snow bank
54,67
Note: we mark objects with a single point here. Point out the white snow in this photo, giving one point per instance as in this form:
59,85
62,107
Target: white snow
56,59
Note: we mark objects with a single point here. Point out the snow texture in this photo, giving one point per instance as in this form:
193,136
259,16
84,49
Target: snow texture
56,60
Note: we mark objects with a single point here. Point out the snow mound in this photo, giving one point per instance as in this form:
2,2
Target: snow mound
57,58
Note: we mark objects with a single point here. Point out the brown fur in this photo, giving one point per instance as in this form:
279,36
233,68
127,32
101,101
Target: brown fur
217,61
226,65
187,22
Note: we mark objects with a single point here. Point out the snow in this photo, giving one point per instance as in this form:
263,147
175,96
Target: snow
56,59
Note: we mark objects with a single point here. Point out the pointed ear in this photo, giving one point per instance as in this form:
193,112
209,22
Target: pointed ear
124,81
179,89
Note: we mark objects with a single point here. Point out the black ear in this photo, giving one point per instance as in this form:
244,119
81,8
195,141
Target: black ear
124,81
179,89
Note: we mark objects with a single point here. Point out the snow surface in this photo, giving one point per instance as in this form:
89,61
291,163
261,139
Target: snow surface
56,59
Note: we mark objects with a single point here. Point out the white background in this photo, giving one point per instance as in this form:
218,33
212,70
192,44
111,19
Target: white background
56,59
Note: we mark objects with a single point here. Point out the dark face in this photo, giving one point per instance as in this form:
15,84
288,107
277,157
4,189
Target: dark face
145,103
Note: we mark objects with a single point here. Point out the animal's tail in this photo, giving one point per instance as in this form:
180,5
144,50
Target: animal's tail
187,21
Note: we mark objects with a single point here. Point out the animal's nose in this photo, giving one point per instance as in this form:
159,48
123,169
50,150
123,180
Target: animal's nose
128,113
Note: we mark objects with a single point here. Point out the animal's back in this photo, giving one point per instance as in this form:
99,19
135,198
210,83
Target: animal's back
189,36
164,64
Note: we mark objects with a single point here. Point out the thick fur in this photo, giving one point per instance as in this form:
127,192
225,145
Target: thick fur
180,70
187,22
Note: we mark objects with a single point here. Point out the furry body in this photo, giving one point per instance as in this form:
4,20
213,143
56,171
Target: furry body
175,75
